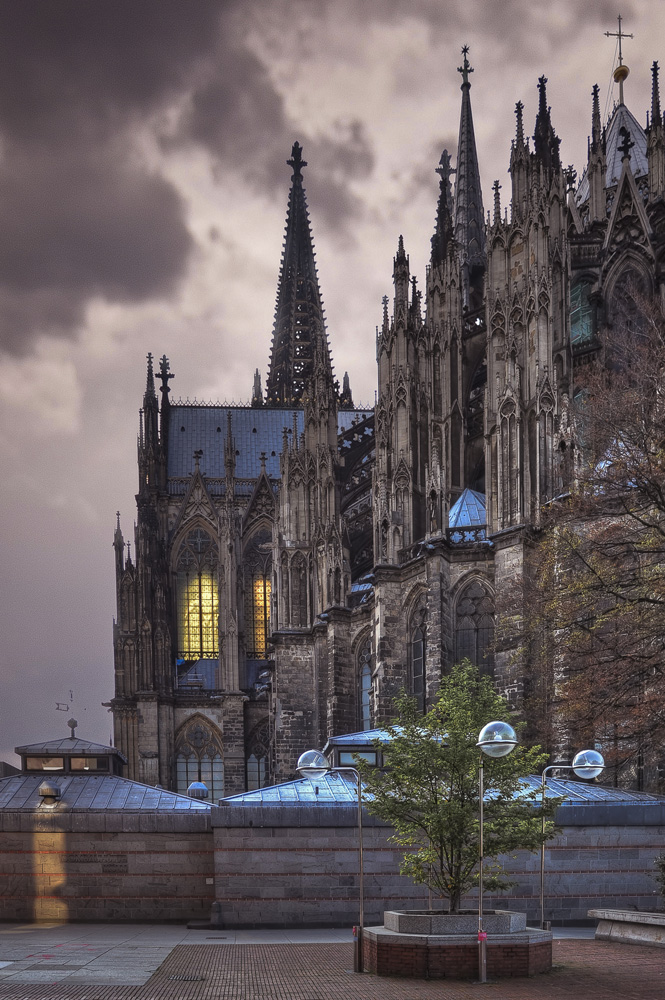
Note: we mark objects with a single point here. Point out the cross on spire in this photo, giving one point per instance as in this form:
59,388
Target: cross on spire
622,71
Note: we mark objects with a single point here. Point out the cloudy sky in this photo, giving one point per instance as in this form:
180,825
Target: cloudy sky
143,190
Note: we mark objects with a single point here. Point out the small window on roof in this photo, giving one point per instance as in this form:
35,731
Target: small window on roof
346,757
44,764
88,764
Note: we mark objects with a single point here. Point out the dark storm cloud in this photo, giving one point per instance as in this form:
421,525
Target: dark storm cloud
80,214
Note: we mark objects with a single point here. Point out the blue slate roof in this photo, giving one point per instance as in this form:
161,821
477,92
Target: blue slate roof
93,792
621,118
194,427
341,788
469,510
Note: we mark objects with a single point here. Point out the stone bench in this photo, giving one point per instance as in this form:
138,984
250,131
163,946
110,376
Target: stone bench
630,926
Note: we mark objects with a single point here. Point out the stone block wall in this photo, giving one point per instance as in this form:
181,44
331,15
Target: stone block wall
603,856
105,866
298,866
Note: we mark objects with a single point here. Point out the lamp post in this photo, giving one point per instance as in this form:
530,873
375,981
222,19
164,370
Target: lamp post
496,739
586,764
312,764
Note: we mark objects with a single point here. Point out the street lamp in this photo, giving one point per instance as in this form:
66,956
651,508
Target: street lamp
313,764
496,739
586,764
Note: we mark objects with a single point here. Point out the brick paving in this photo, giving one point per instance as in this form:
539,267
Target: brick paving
583,969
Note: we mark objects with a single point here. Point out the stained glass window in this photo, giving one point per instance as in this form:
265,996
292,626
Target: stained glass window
474,632
199,758
197,597
257,572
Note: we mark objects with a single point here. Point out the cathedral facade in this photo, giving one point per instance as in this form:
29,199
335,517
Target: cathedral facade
299,561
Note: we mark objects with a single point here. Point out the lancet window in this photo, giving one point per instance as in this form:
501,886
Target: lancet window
258,576
197,596
474,626
417,637
199,758
365,685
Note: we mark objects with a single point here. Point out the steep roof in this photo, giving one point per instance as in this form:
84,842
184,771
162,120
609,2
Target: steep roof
621,118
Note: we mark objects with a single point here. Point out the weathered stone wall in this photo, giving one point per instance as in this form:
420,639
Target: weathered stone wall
105,866
289,865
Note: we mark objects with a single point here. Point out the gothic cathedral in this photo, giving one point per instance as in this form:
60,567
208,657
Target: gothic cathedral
299,561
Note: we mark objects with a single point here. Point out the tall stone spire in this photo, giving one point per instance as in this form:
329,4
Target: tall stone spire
299,318
469,214
545,138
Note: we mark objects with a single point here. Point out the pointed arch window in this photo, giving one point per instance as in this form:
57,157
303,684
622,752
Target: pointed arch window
197,597
474,626
257,569
258,757
199,758
417,636
365,685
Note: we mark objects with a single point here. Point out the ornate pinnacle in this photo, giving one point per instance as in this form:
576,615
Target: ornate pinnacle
296,162
655,95
465,68
519,109
165,373
497,203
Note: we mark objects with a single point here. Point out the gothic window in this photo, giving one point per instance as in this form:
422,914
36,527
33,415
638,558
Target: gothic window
199,758
417,635
257,757
197,597
474,626
582,315
298,591
257,566
365,685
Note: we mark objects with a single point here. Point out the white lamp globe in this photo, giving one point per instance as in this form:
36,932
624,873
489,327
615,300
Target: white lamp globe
588,764
312,764
497,739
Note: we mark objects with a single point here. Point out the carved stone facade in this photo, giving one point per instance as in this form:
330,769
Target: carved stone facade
298,562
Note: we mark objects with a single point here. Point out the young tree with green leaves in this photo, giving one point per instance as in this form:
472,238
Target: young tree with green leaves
428,789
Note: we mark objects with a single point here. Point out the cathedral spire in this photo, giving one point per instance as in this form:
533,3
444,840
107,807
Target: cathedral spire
596,130
299,318
545,138
656,116
444,222
469,214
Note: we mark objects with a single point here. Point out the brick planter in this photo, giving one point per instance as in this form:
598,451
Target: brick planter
386,952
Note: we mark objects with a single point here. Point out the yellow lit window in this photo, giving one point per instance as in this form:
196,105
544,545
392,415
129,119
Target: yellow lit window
257,617
198,598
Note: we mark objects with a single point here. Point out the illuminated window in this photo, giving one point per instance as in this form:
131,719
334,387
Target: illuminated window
199,758
197,597
257,573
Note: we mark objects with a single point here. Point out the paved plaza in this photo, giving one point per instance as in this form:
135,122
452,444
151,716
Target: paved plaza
157,962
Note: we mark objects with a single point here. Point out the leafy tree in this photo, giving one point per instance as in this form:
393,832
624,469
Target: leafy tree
428,789
593,626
